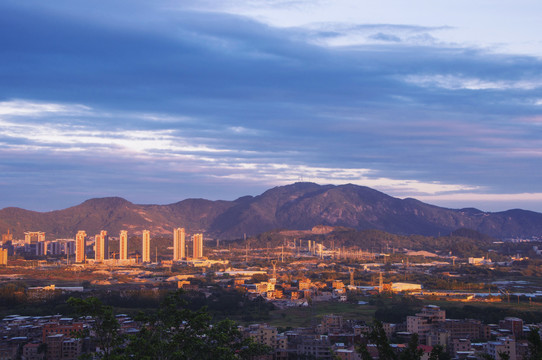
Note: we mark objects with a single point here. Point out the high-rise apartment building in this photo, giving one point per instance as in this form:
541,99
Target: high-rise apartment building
61,247
123,245
146,247
69,247
3,256
179,249
80,244
105,239
33,237
41,248
197,242
101,246
98,248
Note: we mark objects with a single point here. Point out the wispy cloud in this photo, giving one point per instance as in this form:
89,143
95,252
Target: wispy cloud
168,149
470,196
214,100
27,108
344,34
452,82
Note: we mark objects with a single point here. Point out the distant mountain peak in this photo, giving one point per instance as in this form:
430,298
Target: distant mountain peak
297,206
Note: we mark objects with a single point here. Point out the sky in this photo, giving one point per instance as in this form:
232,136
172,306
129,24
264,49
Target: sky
159,101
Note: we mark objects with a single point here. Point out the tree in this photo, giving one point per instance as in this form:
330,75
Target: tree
105,327
535,344
438,353
412,352
504,355
171,332
378,336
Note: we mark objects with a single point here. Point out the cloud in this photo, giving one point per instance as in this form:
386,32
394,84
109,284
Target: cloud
192,97
529,197
36,109
286,174
165,148
350,34
452,82
385,37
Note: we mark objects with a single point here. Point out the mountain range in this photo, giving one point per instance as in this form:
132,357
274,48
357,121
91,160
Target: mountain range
296,206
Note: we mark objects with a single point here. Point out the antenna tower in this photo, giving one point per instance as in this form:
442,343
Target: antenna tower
274,262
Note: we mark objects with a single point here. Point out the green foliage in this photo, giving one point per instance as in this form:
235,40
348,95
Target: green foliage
438,353
171,332
12,293
377,336
412,352
489,314
486,356
398,309
472,234
105,326
462,242
535,344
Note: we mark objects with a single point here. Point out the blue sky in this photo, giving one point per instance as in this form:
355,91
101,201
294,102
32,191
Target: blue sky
165,100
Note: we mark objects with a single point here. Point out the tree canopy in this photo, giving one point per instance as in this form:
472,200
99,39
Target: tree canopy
171,332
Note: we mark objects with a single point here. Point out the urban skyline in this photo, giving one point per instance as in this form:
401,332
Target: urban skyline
78,246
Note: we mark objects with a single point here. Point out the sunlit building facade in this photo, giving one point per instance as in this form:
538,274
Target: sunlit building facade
80,245
197,242
146,246
101,246
179,249
3,256
105,240
123,245
32,237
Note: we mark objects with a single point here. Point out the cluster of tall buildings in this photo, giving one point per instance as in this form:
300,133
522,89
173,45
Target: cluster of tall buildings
35,244
101,246
179,245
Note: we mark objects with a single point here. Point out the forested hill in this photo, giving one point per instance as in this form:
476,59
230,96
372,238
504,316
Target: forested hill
461,243
295,206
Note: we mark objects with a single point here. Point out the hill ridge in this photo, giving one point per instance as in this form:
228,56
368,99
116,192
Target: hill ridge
296,206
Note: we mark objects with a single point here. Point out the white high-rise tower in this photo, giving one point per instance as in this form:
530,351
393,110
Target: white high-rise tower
179,250
197,242
123,245
146,248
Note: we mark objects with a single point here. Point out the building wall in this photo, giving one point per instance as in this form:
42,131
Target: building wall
123,245
197,241
146,246
80,246
179,246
